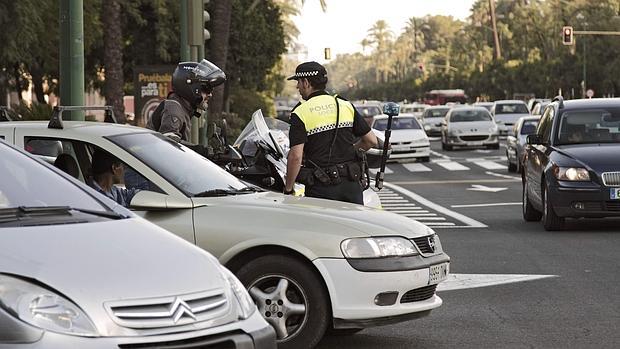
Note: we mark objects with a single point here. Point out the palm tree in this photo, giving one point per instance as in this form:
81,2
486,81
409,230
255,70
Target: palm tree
218,53
380,36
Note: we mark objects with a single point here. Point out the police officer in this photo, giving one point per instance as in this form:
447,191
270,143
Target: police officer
322,134
192,85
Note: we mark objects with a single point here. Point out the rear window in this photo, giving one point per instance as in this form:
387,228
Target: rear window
529,127
436,113
516,108
397,124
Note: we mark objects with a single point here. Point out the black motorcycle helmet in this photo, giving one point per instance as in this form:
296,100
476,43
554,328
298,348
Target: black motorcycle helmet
190,78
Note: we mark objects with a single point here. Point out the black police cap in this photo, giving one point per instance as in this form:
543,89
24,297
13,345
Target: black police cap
309,70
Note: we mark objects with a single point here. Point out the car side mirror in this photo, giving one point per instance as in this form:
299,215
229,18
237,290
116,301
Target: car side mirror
150,200
533,139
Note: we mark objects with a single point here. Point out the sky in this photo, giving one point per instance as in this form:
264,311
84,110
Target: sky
346,22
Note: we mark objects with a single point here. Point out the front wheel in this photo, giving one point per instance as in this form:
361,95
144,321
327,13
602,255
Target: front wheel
530,214
425,159
290,296
551,221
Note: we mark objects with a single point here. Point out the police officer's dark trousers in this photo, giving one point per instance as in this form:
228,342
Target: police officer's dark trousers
349,191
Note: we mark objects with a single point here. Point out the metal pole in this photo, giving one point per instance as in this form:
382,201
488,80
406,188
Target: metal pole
184,28
585,84
71,19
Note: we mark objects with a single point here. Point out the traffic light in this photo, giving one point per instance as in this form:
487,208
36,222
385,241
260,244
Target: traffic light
198,18
567,35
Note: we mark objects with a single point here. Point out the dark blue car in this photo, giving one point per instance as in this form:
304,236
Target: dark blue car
572,162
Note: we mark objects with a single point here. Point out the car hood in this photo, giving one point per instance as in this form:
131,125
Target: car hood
274,211
598,157
509,118
471,126
93,263
407,136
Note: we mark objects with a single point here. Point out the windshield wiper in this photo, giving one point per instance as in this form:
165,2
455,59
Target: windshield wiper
227,192
15,213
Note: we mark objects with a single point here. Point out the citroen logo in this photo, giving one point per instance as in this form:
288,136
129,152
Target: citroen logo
431,243
180,308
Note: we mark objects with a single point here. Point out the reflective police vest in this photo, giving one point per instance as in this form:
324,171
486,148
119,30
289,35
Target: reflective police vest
319,113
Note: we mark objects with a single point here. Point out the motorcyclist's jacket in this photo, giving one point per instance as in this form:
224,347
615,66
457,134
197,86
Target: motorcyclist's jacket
313,122
172,118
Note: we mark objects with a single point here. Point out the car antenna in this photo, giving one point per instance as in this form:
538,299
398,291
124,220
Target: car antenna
391,109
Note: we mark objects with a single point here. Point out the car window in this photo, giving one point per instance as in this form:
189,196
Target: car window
30,184
469,116
436,113
529,127
189,172
546,132
397,124
514,108
589,126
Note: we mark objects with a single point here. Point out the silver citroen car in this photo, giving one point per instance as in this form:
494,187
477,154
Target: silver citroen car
78,271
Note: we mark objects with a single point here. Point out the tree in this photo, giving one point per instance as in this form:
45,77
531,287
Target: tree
113,57
218,47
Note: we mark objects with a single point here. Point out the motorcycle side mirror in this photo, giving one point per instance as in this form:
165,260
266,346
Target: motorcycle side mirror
224,131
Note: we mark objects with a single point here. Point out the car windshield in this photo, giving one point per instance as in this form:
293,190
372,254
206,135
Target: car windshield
27,183
368,111
469,115
590,126
529,127
182,167
436,112
409,109
514,108
397,124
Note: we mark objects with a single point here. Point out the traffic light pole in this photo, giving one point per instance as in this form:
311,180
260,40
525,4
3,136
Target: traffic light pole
72,55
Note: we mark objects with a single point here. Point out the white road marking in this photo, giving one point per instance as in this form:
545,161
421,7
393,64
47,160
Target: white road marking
489,205
387,201
441,224
465,281
433,206
489,165
479,187
424,219
410,211
439,154
375,170
453,166
400,205
502,175
414,167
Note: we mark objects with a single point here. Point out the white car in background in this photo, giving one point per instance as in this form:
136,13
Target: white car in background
469,127
507,112
408,139
416,109
432,118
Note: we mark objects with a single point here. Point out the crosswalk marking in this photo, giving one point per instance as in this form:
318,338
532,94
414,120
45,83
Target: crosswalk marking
388,205
415,167
408,212
440,224
394,200
419,214
452,166
424,219
489,165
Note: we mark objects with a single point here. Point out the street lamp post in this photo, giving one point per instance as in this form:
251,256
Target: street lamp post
584,85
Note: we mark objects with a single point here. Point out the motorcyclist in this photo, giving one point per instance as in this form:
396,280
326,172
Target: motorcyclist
192,85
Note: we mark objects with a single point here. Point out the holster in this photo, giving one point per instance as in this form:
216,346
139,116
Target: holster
306,176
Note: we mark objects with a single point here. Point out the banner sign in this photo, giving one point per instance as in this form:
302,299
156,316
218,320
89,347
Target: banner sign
151,85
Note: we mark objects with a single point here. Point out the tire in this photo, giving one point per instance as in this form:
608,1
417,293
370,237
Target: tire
512,167
290,296
551,221
530,214
425,159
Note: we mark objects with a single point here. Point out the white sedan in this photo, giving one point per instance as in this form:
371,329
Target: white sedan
308,263
469,127
408,139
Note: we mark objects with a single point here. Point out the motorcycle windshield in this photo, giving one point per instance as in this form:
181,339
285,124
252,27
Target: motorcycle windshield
257,129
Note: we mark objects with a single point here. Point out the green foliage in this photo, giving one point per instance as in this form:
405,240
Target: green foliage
34,111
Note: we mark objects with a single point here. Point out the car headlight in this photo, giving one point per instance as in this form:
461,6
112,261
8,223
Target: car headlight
427,127
377,247
575,174
246,304
43,308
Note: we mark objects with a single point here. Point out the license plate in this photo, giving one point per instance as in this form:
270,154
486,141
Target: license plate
437,273
614,193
